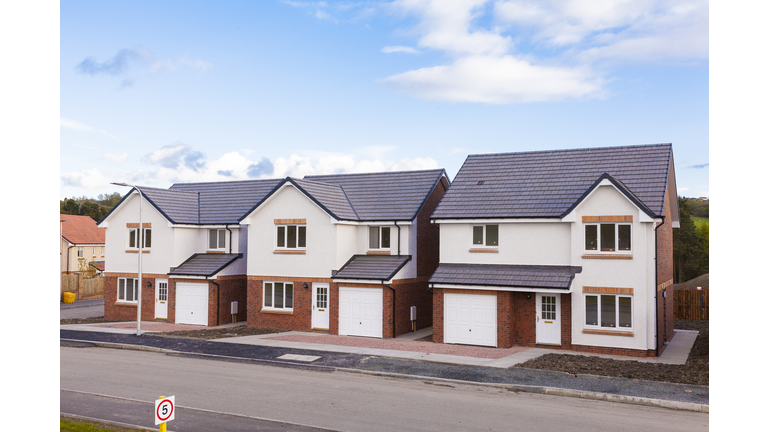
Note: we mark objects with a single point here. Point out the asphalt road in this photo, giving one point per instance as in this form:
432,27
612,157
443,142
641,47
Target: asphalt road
344,401
82,309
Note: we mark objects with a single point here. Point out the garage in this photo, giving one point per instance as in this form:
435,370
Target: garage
360,311
192,303
470,319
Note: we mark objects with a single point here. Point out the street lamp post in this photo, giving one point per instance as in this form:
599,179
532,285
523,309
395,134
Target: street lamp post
140,242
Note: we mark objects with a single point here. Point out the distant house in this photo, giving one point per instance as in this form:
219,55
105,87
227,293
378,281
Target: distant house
81,241
192,247
566,249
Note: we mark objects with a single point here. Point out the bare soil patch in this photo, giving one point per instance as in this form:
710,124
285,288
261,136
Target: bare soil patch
694,371
223,332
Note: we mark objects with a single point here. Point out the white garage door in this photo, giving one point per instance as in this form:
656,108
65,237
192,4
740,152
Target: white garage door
192,303
469,319
360,311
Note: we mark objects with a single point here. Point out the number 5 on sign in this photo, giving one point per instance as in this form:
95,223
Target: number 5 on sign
165,410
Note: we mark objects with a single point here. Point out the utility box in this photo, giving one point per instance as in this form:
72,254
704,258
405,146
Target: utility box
413,313
233,305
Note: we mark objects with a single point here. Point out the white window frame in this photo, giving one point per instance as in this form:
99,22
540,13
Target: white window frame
286,246
80,252
102,251
380,234
221,237
485,236
270,285
144,231
616,238
125,281
618,326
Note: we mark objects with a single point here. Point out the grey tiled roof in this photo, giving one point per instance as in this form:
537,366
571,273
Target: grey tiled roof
372,267
176,205
204,264
550,183
225,202
330,196
384,195
524,276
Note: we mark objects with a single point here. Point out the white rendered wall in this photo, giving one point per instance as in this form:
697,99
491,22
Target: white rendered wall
161,255
637,273
320,257
530,243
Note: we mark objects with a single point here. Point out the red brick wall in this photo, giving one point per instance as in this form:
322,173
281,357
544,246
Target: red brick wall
411,292
428,235
437,314
524,318
301,317
665,274
126,311
233,288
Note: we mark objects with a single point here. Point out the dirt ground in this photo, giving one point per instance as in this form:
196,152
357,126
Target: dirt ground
695,371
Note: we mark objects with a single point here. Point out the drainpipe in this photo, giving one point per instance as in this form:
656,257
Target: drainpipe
218,298
394,303
230,237
398,238
655,288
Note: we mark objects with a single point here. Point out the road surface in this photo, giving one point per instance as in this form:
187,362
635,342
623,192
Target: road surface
344,401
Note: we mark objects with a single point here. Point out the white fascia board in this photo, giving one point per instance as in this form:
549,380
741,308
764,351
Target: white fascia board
362,281
87,244
219,226
103,224
372,223
247,219
498,220
187,277
676,224
500,288
570,217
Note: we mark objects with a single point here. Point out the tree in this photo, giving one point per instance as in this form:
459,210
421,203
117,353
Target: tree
69,206
691,250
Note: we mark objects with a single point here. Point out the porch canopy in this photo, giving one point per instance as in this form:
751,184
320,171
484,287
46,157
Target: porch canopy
204,264
503,277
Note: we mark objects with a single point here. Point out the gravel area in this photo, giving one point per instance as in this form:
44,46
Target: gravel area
694,371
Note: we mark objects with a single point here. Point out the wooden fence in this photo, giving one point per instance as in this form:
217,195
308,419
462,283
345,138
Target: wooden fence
692,305
84,288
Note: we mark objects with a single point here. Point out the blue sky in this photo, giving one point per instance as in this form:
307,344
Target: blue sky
154,93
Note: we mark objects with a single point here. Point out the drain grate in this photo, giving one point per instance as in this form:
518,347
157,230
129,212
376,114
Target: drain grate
298,357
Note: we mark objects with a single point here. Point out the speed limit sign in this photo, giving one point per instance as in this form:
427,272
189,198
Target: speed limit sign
165,409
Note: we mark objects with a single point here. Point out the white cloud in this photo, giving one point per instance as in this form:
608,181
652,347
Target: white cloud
115,157
496,80
487,41
399,49
90,179
76,125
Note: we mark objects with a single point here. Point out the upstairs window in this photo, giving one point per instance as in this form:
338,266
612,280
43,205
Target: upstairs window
378,238
133,235
608,237
217,239
79,251
291,237
485,235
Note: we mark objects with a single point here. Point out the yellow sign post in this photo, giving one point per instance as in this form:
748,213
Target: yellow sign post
165,411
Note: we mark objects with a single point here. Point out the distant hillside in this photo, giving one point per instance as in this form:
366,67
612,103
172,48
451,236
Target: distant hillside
699,207
701,281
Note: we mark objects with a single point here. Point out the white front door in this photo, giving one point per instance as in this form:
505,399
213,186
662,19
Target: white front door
361,312
320,310
470,319
548,318
161,298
